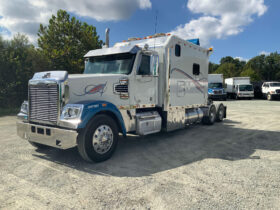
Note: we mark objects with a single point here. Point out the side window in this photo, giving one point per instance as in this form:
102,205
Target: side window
177,50
144,68
196,69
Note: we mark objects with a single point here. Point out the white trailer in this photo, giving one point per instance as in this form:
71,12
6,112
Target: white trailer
215,87
140,86
239,87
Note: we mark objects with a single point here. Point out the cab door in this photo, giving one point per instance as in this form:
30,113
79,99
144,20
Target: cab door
145,85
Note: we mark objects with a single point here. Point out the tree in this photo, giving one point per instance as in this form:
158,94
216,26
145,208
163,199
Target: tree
65,41
228,70
213,67
19,60
250,73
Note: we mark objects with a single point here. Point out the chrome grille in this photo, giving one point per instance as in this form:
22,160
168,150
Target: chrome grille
43,103
121,88
218,92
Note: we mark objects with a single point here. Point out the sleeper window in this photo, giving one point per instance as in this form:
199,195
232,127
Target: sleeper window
196,69
177,50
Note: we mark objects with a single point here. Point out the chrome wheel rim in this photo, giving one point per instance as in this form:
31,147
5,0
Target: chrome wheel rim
102,139
212,116
221,113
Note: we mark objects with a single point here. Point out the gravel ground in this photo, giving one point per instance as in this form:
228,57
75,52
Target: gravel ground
231,165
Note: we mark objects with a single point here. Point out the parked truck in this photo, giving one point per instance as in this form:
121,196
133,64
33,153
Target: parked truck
271,90
216,90
239,87
140,86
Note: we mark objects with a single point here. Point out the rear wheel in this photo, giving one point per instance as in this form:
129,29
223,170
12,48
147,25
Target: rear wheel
98,141
210,119
220,113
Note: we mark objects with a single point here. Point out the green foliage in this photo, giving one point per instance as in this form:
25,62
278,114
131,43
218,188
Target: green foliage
250,73
259,68
228,70
65,41
19,60
213,67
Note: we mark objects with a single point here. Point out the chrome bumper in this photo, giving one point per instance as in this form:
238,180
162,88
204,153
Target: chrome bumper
246,96
54,137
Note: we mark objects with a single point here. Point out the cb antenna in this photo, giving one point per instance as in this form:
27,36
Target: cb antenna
155,29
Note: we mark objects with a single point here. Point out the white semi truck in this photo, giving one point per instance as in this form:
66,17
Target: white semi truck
215,87
140,86
239,87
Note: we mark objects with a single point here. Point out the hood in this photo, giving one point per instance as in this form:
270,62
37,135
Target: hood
274,88
94,87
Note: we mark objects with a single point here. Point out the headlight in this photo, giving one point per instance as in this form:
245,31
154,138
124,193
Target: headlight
72,111
24,107
272,92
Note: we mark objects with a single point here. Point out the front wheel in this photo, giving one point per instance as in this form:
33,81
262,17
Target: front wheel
98,141
269,97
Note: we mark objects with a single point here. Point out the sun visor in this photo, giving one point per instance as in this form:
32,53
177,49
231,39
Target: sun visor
113,50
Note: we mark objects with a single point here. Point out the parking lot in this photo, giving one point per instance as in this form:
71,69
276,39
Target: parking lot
231,165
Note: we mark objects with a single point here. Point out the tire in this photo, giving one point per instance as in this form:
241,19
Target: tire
98,141
220,113
210,119
39,146
269,97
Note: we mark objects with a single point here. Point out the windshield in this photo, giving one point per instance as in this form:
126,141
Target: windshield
275,84
245,87
215,85
110,64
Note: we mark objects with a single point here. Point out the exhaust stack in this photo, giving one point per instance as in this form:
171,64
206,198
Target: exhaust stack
107,37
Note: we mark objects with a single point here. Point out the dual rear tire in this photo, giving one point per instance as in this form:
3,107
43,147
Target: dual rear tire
214,115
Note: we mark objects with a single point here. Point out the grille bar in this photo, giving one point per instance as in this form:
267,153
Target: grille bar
43,103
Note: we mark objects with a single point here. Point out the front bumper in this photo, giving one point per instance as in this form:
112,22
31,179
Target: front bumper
54,137
217,96
246,96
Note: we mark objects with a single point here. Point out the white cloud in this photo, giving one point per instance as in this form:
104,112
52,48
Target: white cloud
264,53
219,18
24,16
242,59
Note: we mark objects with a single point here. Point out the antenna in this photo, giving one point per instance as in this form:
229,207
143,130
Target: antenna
155,29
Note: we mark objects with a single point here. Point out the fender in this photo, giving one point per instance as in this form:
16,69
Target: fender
92,108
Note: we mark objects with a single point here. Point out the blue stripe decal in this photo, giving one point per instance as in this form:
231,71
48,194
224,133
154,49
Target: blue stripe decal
94,107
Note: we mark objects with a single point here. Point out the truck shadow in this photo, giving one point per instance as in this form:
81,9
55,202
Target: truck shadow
143,156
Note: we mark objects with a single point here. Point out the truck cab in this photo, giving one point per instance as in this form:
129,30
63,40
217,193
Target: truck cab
244,91
216,90
239,87
271,90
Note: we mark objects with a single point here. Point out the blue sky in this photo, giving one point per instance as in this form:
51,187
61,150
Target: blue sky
237,28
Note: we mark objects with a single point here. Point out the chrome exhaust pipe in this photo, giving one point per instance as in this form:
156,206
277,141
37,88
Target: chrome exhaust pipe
107,37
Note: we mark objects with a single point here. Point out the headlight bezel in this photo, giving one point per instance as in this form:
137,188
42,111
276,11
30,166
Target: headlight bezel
24,107
72,111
